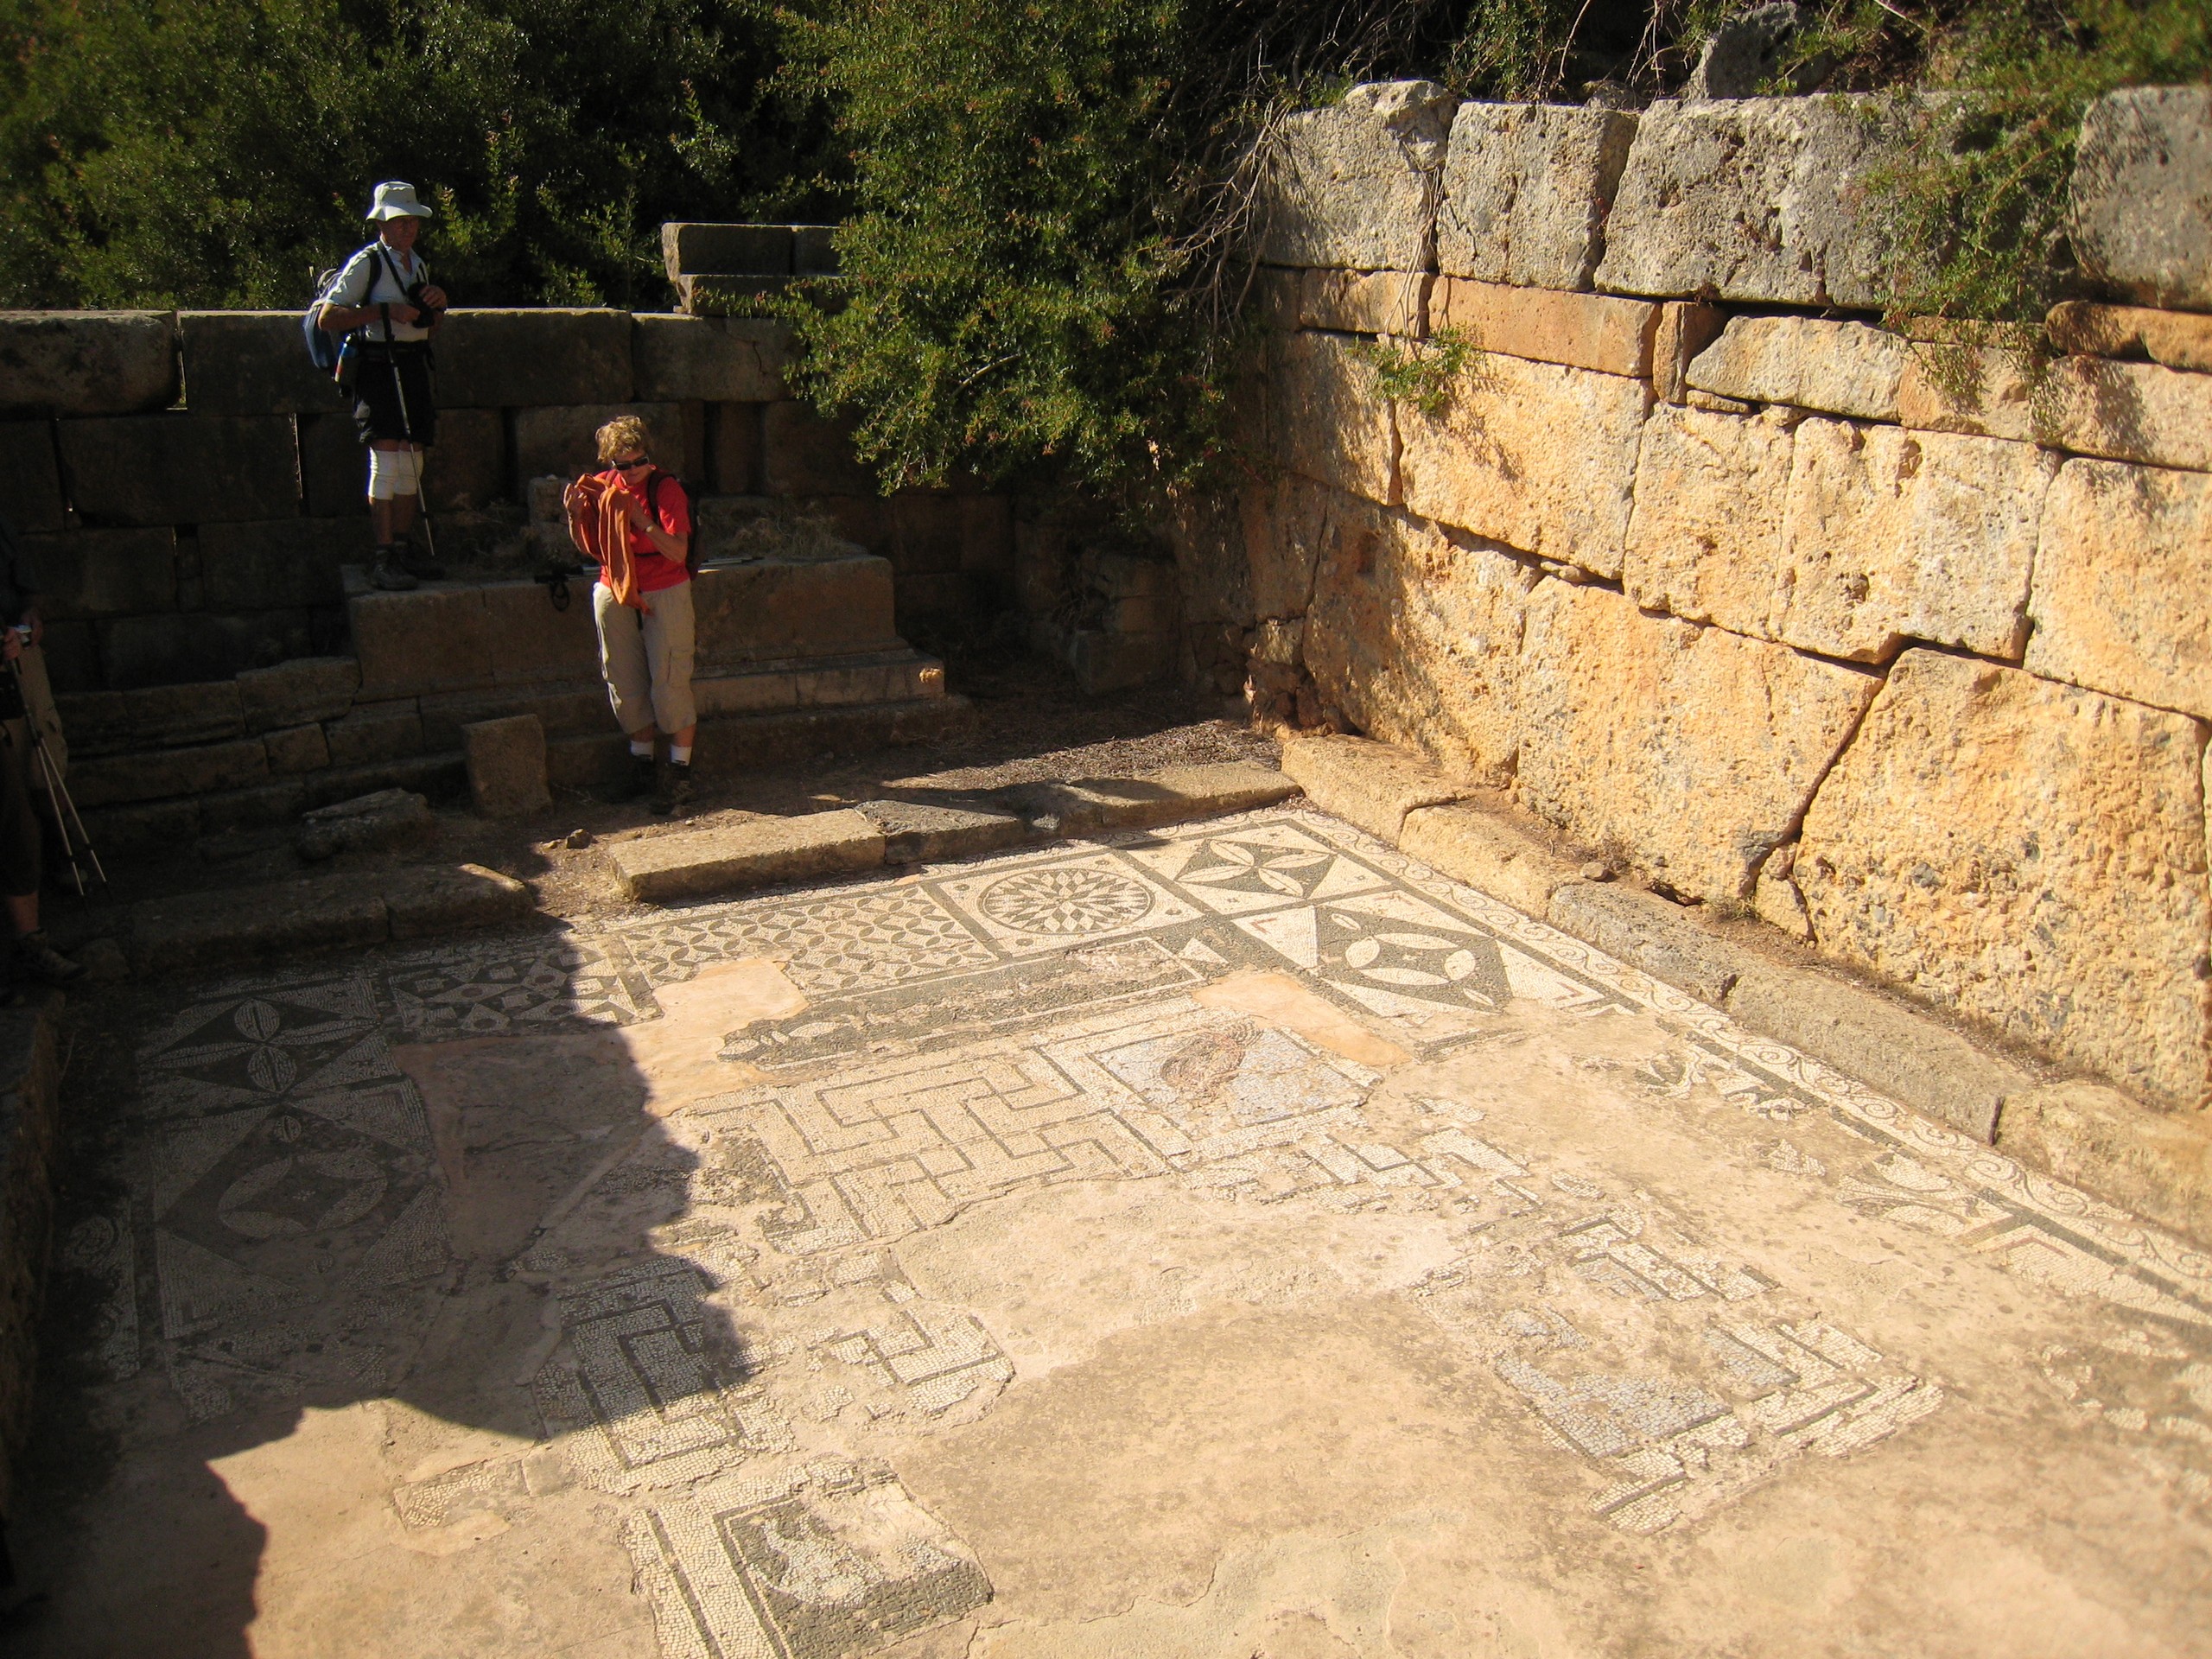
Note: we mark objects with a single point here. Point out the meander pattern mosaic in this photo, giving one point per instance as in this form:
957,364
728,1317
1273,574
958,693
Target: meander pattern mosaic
999,1027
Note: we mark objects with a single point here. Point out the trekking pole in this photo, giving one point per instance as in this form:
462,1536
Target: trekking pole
57,794
55,781
407,419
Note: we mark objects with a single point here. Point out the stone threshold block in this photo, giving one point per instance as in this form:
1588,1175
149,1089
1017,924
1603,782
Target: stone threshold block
1171,795
1373,785
29,1131
380,822
701,863
232,925
928,832
730,745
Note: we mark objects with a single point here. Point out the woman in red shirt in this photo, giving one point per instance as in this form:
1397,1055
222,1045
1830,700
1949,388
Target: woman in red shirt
642,602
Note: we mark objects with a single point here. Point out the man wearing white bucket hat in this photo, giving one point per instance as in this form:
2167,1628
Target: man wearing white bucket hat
384,300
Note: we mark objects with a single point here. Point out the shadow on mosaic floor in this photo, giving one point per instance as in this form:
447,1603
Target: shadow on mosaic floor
433,1183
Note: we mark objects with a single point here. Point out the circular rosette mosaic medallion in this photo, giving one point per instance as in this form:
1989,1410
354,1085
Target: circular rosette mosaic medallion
1068,902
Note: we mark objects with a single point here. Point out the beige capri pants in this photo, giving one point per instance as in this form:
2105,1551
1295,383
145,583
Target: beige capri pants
646,659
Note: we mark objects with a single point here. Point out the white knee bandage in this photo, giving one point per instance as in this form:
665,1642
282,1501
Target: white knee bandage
394,473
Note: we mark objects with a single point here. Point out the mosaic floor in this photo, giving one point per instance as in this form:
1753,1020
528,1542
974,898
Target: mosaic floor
1228,1240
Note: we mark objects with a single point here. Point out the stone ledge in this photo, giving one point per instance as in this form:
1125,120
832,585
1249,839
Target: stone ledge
1371,785
1482,846
1904,1054
30,1118
704,863
2157,1164
233,925
1172,795
1645,932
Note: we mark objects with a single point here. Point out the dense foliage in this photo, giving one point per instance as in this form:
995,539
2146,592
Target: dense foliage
218,152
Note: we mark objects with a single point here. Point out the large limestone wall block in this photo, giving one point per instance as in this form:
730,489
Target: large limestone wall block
1584,330
802,453
86,362
1841,368
2029,853
251,363
1527,188
1328,421
1283,520
1356,184
1836,537
2093,406
2123,585
563,440
521,359
181,469
2141,218
1534,455
1759,199
99,573
30,476
1416,634
676,359
1693,747
1889,535
1704,540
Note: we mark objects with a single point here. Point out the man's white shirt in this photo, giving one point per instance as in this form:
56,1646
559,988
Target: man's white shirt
367,281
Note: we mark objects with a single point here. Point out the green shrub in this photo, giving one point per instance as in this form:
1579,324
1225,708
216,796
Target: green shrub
218,152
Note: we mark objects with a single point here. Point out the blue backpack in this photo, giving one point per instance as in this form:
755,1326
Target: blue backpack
327,350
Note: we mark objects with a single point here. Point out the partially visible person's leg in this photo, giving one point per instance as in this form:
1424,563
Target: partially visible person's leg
629,681
671,638
34,958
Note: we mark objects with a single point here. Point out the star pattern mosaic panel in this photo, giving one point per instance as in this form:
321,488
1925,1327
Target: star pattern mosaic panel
562,983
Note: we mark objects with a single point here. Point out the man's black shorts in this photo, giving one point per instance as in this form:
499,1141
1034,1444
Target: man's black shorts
393,398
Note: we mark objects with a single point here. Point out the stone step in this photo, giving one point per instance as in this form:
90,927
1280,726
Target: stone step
703,863
232,925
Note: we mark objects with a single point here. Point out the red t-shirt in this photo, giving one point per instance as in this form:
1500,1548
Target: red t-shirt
664,498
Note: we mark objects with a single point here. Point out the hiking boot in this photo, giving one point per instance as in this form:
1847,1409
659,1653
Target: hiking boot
674,794
421,565
638,783
389,574
38,961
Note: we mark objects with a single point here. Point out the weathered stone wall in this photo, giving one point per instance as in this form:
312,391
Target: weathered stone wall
1906,648
191,487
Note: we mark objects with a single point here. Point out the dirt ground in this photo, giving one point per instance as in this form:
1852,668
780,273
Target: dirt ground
1031,724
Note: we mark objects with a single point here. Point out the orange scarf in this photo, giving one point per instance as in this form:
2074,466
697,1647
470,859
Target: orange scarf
599,523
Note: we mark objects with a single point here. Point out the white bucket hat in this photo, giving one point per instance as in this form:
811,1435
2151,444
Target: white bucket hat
396,199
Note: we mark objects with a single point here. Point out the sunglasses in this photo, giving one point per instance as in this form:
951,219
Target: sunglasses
631,465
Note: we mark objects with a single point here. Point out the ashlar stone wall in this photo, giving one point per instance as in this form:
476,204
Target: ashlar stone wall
1907,647
192,488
